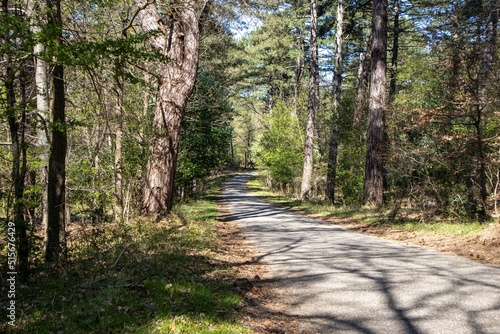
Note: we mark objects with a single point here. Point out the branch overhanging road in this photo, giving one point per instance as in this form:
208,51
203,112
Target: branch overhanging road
340,281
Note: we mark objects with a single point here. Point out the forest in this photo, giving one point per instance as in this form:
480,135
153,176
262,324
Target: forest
116,110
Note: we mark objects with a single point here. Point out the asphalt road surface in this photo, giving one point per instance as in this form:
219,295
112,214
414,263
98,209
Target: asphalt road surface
339,281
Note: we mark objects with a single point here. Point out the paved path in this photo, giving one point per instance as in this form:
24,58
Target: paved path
344,282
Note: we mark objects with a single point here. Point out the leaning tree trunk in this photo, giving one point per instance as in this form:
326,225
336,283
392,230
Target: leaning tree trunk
337,82
179,41
374,169
312,106
56,191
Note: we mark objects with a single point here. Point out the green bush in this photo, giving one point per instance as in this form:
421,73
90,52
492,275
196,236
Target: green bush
281,146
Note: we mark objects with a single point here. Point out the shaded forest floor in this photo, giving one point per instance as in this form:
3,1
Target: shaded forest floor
170,275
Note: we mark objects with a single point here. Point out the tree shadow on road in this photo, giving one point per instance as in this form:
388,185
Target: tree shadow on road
344,282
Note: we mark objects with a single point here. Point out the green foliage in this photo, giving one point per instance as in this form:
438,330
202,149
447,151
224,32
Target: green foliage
350,176
418,82
91,165
268,56
206,131
88,182
120,51
17,40
281,146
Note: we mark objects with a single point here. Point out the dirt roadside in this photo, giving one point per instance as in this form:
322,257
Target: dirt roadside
262,308
483,246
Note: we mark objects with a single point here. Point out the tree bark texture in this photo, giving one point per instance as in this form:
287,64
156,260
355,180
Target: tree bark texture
22,215
298,72
362,79
42,143
42,101
482,106
312,106
178,40
337,83
18,149
56,197
374,168
395,52
118,200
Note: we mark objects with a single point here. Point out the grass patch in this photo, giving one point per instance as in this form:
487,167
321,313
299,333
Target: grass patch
365,217
447,228
146,277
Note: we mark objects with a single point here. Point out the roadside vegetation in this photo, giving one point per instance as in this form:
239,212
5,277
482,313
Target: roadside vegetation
147,276
368,217
477,240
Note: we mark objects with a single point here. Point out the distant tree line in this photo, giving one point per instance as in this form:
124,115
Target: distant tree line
408,109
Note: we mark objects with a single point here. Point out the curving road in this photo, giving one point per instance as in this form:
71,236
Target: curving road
339,281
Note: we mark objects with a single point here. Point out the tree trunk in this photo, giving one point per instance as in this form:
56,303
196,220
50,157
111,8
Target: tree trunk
337,89
118,200
16,131
298,72
42,143
362,86
312,106
373,181
482,106
21,209
179,41
42,104
395,51
56,226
